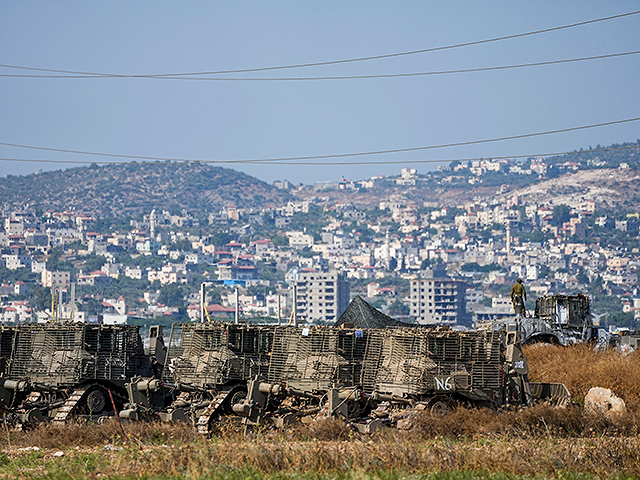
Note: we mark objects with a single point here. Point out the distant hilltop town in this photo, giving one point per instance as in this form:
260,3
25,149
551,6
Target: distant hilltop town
415,254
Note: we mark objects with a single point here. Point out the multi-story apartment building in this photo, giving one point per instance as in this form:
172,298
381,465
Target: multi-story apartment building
55,279
321,296
438,300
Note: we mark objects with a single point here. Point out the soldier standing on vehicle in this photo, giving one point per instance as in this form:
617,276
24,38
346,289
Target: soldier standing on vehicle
518,297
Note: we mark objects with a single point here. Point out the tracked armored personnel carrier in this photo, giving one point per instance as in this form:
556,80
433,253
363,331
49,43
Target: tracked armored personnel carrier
58,371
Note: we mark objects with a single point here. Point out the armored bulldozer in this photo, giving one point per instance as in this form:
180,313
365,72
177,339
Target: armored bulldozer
57,371
557,319
296,372
205,373
278,375
363,375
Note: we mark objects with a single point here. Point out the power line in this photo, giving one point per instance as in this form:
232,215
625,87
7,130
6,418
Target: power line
334,62
346,77
381,162
316,157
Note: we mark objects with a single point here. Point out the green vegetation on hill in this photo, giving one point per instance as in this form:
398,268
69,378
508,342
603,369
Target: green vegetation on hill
128,190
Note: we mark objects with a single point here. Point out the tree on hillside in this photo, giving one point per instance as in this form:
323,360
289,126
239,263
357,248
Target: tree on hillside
40,298
171,295
561,214
221,238
279,241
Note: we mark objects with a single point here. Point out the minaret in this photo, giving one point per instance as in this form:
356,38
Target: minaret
508,238
152,224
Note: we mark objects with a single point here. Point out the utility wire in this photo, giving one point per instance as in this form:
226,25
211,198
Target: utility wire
317,157
346,77
336,62
381,162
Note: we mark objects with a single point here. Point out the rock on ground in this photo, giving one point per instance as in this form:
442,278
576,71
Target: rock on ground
603,402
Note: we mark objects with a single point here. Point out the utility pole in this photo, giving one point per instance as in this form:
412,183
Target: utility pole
60,297
203,301
53,302
73,301
295,305
237,308
279,309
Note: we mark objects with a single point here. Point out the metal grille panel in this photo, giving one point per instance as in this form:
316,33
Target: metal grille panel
412,359
318,358
214,354
72,353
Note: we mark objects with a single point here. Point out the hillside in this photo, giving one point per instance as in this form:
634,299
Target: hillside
610,188
131,189
610,177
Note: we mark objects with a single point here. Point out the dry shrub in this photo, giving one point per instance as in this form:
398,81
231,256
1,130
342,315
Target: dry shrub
580,368
461,422
328,429
159,432
229,429
535,421
48,435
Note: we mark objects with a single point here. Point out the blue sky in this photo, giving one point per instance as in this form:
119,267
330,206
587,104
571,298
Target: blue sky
247,120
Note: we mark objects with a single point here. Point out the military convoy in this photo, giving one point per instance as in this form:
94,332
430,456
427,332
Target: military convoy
210,373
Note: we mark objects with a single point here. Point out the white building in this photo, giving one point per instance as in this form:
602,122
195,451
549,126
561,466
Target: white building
321,296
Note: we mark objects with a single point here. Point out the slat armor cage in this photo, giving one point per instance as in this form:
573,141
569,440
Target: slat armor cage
567,310
216,354
410,361
318,358
397,361
68,354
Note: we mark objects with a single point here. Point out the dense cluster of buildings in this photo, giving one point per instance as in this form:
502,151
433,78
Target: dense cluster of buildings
408,259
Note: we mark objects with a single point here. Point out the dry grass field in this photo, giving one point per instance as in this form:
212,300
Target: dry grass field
537,442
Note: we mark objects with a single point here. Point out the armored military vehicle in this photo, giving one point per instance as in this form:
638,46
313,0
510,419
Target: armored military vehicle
278,375
352,372
557,319
57,371
205,373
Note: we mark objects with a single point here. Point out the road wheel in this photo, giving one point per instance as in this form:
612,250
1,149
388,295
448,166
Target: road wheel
96,401
441,407
236,397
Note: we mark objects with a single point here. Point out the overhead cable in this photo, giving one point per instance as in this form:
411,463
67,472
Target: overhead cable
344,77
334,62
374,162
320,157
